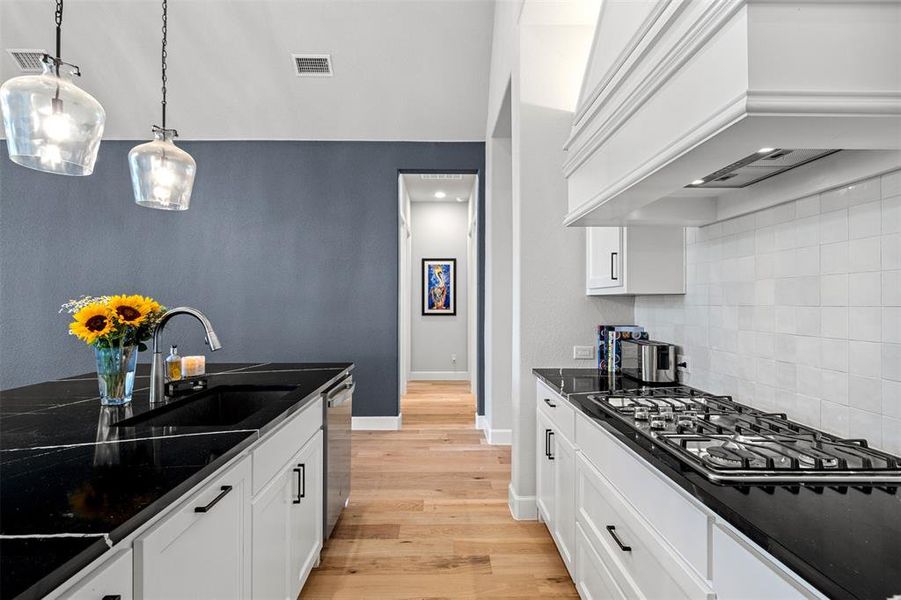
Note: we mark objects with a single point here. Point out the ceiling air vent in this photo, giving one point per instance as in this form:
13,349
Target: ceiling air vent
761,165
313,65
442,176
28,61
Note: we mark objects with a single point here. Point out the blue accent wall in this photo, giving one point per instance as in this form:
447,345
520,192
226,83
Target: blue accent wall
290,248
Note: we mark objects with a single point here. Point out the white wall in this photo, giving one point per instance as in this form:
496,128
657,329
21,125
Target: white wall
439,230
544,62
797,308
404,285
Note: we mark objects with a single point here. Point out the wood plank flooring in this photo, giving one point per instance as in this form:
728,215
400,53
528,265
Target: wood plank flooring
428,514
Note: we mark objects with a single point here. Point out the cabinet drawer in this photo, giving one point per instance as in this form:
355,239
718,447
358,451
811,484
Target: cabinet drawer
113,578
742,572
639,557
280,445
200,550
558,410
592,578
667,510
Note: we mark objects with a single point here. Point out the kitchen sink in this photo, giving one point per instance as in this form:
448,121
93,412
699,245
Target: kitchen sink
221,405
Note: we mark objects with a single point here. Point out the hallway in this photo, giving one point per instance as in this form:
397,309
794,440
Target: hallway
428,514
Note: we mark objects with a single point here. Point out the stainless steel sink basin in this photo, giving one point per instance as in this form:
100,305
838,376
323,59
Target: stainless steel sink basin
221,405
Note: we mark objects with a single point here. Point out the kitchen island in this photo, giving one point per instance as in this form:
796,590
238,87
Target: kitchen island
75,488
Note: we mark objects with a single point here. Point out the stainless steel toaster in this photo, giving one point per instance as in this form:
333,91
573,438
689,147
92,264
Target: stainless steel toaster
649,361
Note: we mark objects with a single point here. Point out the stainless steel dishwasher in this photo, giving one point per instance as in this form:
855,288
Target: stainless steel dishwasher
337,405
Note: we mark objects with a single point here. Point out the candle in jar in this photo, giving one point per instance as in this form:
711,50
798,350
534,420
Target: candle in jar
193,365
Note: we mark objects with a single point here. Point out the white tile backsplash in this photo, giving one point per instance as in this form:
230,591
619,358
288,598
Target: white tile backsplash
797,308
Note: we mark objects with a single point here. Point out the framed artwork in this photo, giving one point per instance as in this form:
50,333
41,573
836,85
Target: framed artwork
439,286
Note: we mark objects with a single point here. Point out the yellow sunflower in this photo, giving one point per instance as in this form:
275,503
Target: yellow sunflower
129,310
92,322
152,305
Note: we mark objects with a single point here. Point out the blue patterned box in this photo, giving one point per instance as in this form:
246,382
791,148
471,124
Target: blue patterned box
609,350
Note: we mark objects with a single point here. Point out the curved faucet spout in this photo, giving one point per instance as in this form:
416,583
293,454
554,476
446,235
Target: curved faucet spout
156,368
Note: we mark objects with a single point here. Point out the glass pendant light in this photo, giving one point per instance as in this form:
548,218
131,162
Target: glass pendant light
162,174
51,124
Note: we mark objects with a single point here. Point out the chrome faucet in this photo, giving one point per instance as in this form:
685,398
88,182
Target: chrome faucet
157,370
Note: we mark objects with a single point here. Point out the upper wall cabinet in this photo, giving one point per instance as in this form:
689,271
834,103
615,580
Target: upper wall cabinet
727,95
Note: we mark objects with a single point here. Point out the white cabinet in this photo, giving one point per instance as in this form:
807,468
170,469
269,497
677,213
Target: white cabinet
634,260
306,519
112,579
202,549
603,259
564,524
556,471
545,470
287,525
741,572
592,578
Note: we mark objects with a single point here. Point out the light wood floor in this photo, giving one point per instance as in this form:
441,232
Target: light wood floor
428,514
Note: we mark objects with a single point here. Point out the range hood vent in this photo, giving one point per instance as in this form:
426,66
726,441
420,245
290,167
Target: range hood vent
759,166
313,65
28,61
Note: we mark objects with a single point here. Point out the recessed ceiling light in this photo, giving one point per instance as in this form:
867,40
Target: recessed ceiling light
459,199
697,182
765,150
440,194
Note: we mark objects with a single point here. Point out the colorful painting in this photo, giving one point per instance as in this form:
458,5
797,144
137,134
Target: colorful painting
439,286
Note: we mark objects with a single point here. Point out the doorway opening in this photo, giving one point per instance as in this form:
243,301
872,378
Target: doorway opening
438,281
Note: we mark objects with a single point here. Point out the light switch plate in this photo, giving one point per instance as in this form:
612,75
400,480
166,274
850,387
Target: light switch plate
583,352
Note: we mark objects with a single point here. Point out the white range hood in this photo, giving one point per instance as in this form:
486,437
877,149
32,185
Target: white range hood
679,91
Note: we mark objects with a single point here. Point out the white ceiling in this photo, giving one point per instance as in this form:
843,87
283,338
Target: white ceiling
422,189
404,69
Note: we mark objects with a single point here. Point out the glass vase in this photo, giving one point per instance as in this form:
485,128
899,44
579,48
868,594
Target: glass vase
116,373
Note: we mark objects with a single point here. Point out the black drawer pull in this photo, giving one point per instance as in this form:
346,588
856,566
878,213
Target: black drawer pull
550,455
612,531
225,489
549,403
112,597
301,470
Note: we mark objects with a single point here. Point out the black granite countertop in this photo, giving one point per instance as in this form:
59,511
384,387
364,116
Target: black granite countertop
846,542
71,485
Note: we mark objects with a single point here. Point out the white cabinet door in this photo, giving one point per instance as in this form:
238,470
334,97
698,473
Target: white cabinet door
202,549
112,579
271,519
741,572
593,580
305,529
565,498
603,263
545,470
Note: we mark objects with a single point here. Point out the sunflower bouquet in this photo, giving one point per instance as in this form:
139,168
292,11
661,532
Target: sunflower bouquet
116,327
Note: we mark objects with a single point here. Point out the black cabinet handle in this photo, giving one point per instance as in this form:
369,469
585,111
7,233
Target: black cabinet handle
612,531
303,480
547,445
549,403
112,597
613,256
225,489
549,454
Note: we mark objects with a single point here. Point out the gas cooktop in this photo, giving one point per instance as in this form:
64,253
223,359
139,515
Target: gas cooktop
729,442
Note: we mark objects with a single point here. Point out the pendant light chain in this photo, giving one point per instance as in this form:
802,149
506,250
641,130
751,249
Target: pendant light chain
58,16
163,55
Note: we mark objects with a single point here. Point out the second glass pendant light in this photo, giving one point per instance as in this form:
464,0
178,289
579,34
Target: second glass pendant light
162,174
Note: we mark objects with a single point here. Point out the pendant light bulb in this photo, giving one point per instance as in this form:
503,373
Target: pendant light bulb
51,124
162,174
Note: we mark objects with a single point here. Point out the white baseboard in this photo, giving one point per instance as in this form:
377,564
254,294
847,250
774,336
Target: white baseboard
481,422
523,508
499,437
439,375
377,423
